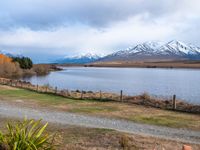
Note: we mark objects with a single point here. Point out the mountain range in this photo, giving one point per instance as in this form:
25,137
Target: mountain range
173,50
148,51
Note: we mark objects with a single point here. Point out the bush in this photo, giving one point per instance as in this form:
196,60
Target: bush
26,135
124,142
9,68
43,69
146,96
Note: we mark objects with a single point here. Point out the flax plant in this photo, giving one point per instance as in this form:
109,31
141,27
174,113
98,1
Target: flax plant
27,135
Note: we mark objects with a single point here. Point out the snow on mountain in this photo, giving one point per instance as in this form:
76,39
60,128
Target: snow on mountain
157,50
179,48
145,47
80,59
87,55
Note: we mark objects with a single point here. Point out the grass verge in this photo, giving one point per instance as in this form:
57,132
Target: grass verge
131,112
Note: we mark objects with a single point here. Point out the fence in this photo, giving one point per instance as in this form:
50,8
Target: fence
144,99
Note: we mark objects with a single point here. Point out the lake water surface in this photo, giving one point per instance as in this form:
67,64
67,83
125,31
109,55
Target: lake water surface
185,83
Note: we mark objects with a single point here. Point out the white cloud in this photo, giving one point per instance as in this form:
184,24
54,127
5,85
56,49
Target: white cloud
68,27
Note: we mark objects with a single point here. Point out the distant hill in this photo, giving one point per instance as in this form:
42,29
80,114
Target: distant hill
80,59
173,50
10,54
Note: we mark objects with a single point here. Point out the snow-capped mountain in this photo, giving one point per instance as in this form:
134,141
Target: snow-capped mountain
79,59
157,50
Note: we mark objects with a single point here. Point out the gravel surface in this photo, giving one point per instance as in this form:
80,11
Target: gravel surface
100,122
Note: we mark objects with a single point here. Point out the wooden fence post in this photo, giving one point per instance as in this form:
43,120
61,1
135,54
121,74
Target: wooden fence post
100,95
46,89
121,96
37,88
174,102
81,94
68,93
56,89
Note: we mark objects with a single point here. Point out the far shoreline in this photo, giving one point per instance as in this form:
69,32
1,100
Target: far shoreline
127,64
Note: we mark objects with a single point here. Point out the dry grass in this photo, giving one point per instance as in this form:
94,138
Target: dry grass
149,64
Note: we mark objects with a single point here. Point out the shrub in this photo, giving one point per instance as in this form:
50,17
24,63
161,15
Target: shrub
78,91
124,142
41,69
26,135
146,96
9,68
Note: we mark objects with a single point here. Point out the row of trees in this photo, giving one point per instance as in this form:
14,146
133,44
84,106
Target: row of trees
24,62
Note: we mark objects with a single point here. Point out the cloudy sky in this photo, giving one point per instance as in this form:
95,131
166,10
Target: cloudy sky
48,29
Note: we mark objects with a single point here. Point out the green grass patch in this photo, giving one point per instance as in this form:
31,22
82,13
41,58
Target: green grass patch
94,109
164,120
40,97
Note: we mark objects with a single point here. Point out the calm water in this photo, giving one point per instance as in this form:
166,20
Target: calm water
185,83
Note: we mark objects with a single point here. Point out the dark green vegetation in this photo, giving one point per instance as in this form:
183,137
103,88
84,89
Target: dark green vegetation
26,135
130,112
24,62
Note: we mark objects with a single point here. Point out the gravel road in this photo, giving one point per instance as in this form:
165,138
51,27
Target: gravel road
100,122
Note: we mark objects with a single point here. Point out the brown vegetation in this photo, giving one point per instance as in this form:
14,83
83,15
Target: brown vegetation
148,64
43,69
9,68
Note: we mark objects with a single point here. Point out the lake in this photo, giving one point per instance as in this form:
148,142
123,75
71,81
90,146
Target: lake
185,83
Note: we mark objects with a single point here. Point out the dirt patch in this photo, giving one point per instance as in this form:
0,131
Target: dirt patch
76,138
7,87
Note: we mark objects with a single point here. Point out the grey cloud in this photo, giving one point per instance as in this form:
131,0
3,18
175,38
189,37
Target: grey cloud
43,14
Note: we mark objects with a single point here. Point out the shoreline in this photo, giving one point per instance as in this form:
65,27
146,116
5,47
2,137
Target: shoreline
150,64
140,64
144,99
